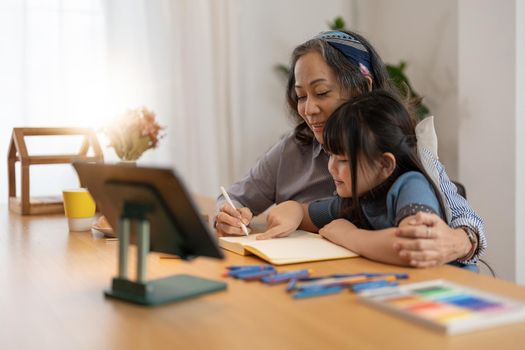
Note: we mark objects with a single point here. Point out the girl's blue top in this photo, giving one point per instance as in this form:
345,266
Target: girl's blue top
409,194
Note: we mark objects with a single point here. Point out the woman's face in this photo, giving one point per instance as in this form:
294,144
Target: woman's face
318,92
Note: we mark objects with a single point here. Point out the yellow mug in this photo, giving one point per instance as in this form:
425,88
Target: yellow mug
79,207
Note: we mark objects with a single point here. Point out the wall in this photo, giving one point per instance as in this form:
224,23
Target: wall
491,98
449,46
400,30
268,32
424,35
519,248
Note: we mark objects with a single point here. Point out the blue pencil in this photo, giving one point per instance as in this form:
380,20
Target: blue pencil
253,275
285,276
317,292
249,267
372,285
291,284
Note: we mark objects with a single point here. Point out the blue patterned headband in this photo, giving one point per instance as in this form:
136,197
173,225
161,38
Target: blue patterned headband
350,47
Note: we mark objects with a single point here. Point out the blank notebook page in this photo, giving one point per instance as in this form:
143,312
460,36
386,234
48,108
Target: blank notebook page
298,246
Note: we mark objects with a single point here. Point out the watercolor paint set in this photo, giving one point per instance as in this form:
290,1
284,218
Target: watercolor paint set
446,306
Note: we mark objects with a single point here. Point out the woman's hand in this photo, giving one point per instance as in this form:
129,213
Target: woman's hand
228,221
337,232
283,219
426,241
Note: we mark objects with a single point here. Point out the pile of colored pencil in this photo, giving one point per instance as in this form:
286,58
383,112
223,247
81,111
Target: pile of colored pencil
302,285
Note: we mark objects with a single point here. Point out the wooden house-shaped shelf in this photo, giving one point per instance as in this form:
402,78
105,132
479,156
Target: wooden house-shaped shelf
25,204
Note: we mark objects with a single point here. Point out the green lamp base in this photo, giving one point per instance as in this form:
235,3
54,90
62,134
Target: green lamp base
162,291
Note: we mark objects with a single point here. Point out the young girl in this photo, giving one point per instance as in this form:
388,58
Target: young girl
379,179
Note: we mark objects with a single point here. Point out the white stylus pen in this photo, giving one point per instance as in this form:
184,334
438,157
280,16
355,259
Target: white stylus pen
229,201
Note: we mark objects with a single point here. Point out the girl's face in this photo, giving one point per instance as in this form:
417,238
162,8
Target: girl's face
318,92
368,176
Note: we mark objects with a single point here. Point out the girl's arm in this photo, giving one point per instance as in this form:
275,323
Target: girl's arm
375,245
287,217
430,249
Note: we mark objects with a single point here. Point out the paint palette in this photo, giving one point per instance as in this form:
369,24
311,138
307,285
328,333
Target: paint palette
446,306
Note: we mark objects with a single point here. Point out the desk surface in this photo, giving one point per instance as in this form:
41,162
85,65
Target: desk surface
51,298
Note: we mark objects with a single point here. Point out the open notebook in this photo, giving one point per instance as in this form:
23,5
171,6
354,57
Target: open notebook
299,246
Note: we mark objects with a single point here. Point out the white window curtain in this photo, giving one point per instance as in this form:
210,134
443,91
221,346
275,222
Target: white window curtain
52,69
177,57
81,62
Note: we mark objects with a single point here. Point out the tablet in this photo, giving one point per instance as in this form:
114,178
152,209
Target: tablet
176,226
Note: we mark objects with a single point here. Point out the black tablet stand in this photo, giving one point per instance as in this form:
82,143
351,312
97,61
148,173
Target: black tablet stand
154,292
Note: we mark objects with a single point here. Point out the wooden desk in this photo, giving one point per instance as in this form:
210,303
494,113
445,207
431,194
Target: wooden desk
51,284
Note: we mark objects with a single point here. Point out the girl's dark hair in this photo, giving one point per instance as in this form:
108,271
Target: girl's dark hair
363,129
350,78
